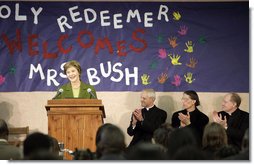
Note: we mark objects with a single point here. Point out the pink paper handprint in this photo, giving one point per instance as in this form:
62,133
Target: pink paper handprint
2,79
162,53
177,80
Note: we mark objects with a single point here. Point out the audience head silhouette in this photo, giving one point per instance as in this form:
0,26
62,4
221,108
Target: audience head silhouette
7,151
180,138
83,154
36,142
110,142
214,137
189,153
4,131
146,151
162,134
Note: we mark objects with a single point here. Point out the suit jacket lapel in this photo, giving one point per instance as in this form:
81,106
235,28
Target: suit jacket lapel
68,90
83,91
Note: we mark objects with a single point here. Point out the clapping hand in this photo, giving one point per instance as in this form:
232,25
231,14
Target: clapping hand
138,114
185,119
218,119
134,120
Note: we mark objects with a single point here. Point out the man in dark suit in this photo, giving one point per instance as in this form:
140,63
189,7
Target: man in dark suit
144,121
234,120
7,151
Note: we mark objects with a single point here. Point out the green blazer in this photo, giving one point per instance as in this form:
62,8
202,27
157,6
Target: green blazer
67,91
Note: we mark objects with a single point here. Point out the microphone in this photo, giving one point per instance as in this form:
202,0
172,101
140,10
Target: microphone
60,91
89,90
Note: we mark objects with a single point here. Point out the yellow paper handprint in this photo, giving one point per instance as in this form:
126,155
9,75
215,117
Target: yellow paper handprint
145,79
174,59
176,15
189,46
188,78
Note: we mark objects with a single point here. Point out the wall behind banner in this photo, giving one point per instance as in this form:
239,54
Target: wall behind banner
28,108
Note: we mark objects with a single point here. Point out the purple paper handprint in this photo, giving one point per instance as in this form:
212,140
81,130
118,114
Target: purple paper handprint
183,30
162,53
177,80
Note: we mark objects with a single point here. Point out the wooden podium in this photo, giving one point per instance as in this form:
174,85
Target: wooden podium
75,122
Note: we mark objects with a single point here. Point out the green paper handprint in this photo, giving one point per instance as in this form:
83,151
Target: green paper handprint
153,65
160,38
12,70
202,40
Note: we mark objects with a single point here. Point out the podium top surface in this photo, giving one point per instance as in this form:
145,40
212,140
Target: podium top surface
75,103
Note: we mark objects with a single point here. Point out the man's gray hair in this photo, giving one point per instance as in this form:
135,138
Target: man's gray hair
236,98
150,92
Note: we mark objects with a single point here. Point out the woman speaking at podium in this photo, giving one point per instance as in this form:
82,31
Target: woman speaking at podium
75,88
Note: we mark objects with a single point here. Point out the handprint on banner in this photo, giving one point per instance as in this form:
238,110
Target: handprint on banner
177,80
162,78
193,63
2,79
176,15
160,38
188,77
175,59
172,42
162,53
153,65
183,30
189,46
12,70
202,40
145,79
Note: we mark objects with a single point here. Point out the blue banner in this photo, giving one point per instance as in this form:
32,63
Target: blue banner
126,46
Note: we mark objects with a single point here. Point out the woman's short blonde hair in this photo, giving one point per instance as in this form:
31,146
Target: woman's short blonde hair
72,63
